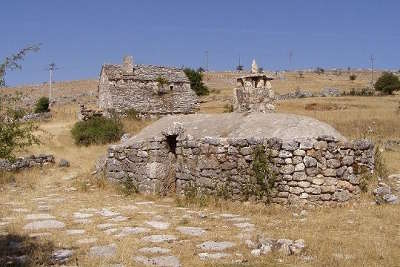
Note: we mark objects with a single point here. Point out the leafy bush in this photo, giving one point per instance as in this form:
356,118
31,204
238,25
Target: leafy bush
196,81
228,108
387,83
42,105
353,77
132,114
319,70
97,130
263,172
161,81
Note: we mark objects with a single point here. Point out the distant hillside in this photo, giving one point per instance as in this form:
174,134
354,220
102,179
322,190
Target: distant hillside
220,83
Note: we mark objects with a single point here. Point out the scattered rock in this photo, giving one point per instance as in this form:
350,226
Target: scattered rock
79,215
62,255
63,163
383,195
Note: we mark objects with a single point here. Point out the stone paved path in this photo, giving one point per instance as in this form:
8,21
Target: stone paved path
106,228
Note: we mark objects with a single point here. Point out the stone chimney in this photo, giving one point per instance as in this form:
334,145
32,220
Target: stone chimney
127,64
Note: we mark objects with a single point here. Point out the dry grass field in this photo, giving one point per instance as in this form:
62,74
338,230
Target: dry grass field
356,234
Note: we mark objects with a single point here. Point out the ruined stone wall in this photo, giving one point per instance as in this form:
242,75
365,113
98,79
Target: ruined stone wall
148,97
314,170
26,162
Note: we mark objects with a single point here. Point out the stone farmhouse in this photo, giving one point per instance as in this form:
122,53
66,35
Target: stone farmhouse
148,90
213,154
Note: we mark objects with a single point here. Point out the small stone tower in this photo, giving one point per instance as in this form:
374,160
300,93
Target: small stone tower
127,64
254,67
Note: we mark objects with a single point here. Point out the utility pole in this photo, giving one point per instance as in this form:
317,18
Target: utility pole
290,59
372,59
51,68
206,55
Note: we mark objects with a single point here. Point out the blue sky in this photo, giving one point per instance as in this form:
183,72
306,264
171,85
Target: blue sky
79,36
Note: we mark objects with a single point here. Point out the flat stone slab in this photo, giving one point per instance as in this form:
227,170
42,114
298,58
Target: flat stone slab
106,251
161,261
118,219
46,224
33,235
244,225
108,213
39,216
132,231
158,225
193,231
75,232
80,215
88,240
154,250
213,256
160,238
215,246
104,226
82,221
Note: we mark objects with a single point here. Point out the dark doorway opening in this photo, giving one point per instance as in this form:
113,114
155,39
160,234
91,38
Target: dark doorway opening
171,141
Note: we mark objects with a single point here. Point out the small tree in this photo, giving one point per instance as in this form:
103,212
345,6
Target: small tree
353,77
387,83
196,81
319,70
15,135
12,62
42,105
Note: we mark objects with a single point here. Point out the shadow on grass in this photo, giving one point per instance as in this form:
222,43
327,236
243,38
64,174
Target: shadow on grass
21,250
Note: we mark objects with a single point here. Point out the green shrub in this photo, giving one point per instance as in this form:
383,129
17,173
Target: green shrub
353,77
196,82
97,130
264,174
228,108
132,114
387,83
42,105
15,135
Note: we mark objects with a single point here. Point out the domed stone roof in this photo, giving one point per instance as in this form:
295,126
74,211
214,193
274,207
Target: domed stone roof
241,125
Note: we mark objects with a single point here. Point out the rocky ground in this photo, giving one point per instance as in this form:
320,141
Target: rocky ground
120,231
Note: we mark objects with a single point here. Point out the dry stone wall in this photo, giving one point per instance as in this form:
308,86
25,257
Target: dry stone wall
26,162
320,170
150,98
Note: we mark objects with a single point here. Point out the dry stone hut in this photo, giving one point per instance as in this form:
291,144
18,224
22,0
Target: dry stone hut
253,92
149,90
215,154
